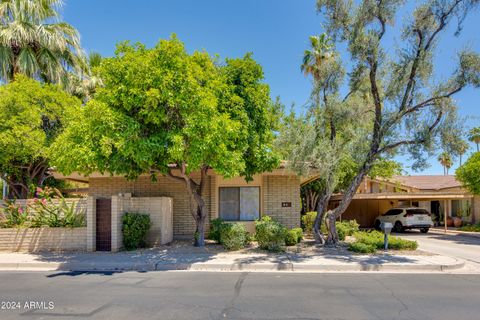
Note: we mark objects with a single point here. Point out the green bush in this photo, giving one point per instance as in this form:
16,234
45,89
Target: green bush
374,239
135,227
50,209
270,234
13,215
361,247
471,227
346,228
299,233
291,238
307,221
47,213
215,227
233,236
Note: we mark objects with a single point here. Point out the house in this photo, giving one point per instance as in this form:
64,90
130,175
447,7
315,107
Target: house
436,193
275,193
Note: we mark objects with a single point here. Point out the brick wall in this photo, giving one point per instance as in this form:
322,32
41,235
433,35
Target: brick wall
183,223
43,239
278,189
158,208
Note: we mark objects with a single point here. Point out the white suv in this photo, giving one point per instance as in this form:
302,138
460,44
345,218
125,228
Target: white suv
406,218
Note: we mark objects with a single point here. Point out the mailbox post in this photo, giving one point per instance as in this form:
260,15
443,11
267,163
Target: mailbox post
386,228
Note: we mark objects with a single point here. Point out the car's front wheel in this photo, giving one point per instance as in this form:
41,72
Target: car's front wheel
424,230
398,227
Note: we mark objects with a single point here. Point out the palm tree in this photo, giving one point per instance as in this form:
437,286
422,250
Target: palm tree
446,161
84,87
462,148
314,57
474,136
34,42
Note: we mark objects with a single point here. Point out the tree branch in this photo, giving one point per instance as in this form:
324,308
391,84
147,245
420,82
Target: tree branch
415,141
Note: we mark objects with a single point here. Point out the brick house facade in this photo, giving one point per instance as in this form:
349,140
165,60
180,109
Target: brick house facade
279,195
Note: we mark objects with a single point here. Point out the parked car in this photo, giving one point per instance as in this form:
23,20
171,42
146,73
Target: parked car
406,218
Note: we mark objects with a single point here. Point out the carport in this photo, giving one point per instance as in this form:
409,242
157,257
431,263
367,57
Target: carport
365,207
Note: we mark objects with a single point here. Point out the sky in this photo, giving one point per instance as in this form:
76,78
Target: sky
275,31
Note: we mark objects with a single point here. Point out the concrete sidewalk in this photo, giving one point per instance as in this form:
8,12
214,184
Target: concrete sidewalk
152,260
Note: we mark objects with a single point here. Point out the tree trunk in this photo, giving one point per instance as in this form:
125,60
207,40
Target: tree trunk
197,203
333,215
200,228
332,237
311,199
317,224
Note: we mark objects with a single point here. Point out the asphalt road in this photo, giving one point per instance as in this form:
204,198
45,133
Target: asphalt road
463,247
190,295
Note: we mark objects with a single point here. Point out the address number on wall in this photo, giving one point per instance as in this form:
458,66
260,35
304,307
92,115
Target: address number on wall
286,204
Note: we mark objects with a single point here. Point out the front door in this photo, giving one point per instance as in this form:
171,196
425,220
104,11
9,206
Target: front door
104,225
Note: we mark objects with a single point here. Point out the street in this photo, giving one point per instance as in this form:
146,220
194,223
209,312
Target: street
191,295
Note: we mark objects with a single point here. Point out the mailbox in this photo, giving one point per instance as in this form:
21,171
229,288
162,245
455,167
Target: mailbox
386,228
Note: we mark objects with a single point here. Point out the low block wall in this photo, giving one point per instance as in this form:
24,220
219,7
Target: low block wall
160,210
43,239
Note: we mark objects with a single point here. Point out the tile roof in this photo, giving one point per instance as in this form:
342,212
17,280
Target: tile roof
430,182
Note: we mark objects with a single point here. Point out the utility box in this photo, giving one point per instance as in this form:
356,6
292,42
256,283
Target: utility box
386,228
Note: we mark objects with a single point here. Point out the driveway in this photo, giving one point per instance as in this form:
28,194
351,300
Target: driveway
457,246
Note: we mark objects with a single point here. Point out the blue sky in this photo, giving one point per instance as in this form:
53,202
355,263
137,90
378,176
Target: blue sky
276,31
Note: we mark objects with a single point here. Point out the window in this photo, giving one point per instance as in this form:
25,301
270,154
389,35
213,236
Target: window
417,211
393,212
239,203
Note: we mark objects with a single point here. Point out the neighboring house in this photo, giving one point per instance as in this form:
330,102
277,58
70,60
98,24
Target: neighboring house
275,194
437,194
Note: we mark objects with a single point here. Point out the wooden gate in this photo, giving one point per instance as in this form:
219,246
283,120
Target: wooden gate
104,225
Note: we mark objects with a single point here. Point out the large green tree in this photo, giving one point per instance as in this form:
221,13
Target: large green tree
34,42
31,116
165,111
330,135
409,105
469,173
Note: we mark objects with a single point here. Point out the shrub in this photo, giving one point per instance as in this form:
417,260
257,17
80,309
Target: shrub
361,247
299,233
293,236
307,221
47,213
396,243
214,232
44,211
14,215
346,228
71,217
135,227
471,227
233,236
270,234
375,239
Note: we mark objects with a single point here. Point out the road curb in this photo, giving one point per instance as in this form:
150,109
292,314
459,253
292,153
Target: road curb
456,233
237,266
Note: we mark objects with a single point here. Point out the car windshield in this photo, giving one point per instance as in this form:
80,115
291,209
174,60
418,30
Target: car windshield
417,211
